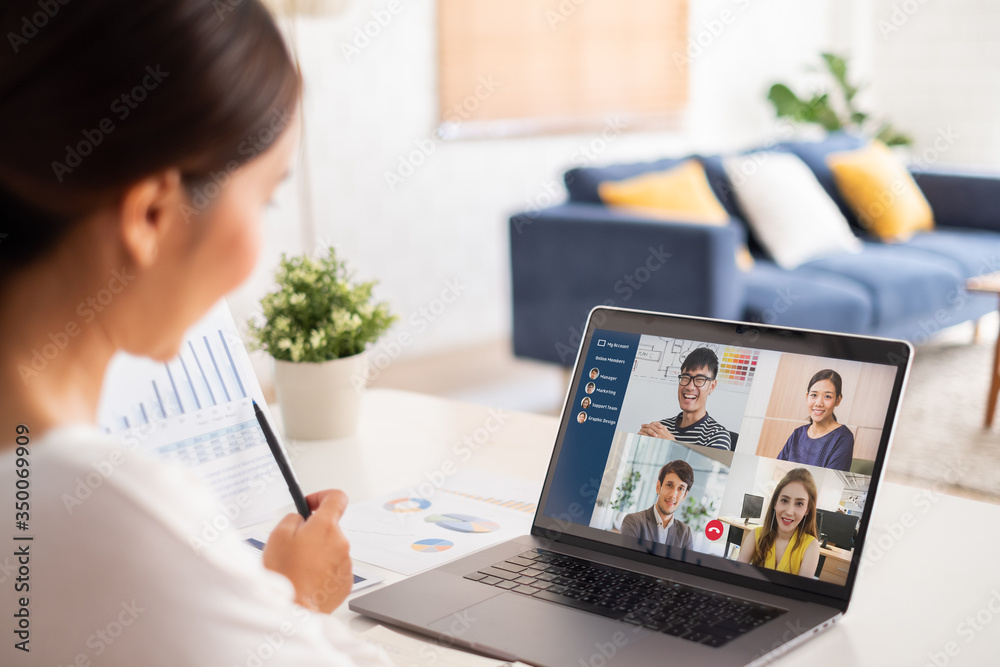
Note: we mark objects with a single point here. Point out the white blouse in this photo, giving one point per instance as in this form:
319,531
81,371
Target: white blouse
112,575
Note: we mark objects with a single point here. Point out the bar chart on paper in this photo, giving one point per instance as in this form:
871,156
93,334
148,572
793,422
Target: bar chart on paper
196,409
203,375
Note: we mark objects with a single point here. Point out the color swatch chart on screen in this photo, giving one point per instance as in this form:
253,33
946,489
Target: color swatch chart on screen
737,366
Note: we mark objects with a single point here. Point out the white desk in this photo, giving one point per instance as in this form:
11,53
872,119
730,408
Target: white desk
925,572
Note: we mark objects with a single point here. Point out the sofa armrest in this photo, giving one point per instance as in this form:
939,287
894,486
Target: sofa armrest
569,258
961,199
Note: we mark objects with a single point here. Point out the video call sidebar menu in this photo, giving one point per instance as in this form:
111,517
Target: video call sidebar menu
592,422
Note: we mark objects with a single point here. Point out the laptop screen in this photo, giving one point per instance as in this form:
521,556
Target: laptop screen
750,450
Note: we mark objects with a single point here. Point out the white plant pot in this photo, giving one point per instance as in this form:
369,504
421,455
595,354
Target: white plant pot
320,401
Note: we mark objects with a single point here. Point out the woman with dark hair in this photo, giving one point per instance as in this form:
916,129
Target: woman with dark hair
141,141
786,542
823,442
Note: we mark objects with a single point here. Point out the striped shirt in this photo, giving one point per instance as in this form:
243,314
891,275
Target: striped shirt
705,432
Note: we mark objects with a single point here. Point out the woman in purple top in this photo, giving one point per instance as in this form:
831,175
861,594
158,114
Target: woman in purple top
823,442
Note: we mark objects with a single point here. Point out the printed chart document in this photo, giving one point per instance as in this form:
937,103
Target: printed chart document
196,409
407,533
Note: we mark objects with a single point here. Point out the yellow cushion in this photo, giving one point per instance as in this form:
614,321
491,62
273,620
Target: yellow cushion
680,192
881,192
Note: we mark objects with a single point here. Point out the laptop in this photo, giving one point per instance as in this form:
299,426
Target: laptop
708,498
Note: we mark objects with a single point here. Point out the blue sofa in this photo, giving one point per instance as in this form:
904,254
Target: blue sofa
571,257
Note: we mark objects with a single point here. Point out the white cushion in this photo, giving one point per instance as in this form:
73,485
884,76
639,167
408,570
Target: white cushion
789,211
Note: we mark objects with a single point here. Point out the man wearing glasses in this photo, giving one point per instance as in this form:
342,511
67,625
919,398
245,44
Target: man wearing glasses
693,426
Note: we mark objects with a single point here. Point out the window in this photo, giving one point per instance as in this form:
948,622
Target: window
528,66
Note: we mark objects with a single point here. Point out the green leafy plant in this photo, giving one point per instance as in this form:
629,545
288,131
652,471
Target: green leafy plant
834,110
695,513
626,490
318,313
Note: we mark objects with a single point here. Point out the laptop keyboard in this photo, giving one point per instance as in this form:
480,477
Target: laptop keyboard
679,610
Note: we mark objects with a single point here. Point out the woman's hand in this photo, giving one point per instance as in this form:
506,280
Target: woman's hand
657,430
314,554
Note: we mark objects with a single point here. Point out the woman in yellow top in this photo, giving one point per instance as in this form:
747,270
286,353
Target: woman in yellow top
787,540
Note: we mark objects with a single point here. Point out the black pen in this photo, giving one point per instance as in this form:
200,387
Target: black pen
283,465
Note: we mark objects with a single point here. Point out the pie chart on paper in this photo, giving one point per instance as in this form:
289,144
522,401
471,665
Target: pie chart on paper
407,505
432,545
463,523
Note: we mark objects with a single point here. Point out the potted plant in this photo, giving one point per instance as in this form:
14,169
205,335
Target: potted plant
834,108
696,513
317,326
625,498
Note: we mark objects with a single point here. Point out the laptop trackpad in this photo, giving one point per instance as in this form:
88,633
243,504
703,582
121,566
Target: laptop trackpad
549,633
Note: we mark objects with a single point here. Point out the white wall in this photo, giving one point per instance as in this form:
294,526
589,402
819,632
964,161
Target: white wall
937,76
447,222
742,476
830,490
